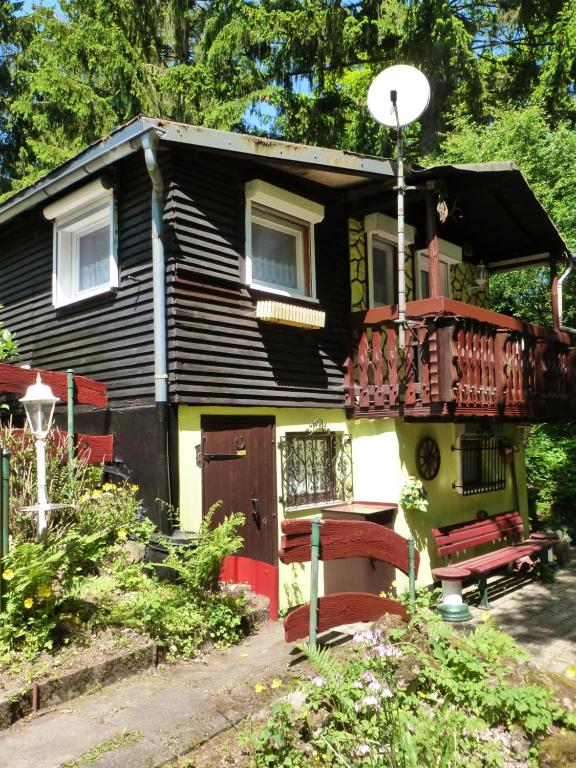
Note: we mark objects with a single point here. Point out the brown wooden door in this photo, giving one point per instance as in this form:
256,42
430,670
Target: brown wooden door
238,468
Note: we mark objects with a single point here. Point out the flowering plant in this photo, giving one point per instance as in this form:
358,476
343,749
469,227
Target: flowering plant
413,497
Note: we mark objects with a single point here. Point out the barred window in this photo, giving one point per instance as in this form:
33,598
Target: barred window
316,467
482,464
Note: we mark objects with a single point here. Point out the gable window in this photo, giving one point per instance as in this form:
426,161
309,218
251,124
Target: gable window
316,467
482,463
449,254
84,257
382,239
280,240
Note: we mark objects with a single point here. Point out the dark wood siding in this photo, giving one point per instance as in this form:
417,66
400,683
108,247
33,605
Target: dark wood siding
219,352
109,338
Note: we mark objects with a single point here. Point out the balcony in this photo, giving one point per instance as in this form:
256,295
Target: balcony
459,361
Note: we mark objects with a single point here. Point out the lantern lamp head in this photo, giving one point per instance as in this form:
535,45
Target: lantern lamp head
481,275
39,402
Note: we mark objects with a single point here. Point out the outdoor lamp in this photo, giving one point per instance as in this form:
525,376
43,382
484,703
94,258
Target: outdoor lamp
39,402
481,277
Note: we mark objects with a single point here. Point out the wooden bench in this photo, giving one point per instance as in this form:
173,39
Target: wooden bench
506,529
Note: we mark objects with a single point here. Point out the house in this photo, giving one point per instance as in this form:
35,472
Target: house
238,296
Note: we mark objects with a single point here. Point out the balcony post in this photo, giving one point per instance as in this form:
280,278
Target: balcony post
554,294
433,248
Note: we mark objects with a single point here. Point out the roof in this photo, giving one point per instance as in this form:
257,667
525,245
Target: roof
498,211
330,167
495,208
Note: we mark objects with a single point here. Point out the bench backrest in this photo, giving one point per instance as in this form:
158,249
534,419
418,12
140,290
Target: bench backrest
456,538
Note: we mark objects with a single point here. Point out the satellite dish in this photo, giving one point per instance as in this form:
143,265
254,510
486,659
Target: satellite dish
408,85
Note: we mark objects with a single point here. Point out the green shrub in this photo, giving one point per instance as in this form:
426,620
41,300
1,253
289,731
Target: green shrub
426,700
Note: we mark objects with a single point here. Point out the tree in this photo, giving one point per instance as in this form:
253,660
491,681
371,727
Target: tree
547,158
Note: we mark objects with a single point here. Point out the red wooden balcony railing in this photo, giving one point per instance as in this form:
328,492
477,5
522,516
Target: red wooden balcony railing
459,360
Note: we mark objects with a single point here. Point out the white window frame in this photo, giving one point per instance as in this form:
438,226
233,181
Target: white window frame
384,228
449,254
306,213
89,209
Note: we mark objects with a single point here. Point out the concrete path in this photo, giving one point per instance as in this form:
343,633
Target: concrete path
150,718
153,717
541,617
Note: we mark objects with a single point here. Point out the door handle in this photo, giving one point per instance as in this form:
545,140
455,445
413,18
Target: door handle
255,509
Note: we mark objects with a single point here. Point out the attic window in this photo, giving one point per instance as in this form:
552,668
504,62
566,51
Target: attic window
280,240
84,256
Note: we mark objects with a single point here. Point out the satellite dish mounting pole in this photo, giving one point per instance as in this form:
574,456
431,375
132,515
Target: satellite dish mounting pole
401,190
397,97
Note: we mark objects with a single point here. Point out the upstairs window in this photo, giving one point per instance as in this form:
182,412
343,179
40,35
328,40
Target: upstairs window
449,254
382,240
280,240
84,260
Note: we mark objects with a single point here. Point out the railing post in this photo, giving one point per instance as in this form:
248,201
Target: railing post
4,516
411,572
315,556
70,404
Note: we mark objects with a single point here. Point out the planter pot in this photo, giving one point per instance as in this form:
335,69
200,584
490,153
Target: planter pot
156,553
562,553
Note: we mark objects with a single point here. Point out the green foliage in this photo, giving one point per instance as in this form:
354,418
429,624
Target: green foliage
198,566
550,462
8,345
413,497
427,700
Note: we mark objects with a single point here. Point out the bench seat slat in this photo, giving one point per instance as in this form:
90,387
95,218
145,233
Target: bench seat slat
472,534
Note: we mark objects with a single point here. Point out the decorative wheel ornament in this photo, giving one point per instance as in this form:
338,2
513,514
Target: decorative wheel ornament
428,458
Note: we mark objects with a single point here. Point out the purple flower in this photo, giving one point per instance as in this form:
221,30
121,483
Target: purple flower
363,749
388,650
374,686
386,693
358,684
319,681
370,701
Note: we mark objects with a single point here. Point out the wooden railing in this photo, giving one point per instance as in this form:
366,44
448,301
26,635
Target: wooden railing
458,360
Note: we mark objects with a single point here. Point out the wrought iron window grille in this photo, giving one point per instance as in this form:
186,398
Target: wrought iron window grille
483,460
316,466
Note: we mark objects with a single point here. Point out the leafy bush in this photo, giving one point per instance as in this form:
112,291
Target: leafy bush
427,699
8,345
551,476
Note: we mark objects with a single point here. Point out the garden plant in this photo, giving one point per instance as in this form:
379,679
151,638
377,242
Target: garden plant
88,573
412,696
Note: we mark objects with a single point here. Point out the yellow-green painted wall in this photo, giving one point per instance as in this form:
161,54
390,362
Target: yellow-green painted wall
383,456
294,579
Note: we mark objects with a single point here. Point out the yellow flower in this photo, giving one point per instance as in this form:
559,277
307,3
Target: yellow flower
570,672
276,683
108,487
134,488
118,489
485,616
96,494
28,602
122,533
8,574
45,590
259,688
84,497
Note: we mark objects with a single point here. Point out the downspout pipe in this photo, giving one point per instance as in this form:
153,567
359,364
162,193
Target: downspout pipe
561,280
150,143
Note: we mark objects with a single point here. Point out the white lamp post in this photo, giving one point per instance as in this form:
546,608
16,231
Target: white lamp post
39,402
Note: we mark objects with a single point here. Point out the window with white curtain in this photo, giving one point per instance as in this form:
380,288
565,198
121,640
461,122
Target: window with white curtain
85,258
449,254
280,240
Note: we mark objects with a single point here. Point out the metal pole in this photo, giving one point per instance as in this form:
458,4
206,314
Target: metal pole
70,405
401,190
411,572
41,483
4,515
314,557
